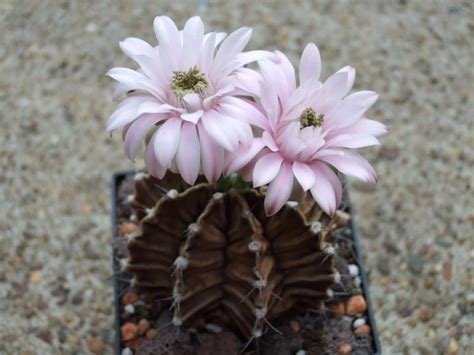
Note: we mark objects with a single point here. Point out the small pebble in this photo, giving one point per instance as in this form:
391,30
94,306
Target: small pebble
405,311
301,352
127,228
35,277
425,314
95,345
447,271
71,340
129,308
129,331
363,330
356,305
358,281
453,347
127,351
353,270
143,326
151,333
389,152
344,349
358,322
86,208
429,297
29,312
383,266
129,298
295,326
415,263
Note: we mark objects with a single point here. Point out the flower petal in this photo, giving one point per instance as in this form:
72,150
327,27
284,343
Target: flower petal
188,157
167,140
365,126
133,80
279,190
242,109
218,131
304,175
193,101
353,141
193,34
142,53
332,178
230,47
323,191
212,156
351,109
155,107
247,80
152,164
240,158
192,117
269,141
336,86
136,132
310,63
287,69
350,163
266,169
132,47
350,76
273,76
170,40
126,111
206,58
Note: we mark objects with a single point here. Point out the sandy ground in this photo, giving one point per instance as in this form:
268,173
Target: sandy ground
56,159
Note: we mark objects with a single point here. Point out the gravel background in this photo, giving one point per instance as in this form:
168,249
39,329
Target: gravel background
56,159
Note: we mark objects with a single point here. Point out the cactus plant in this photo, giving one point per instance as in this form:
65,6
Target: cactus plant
215,256
212,247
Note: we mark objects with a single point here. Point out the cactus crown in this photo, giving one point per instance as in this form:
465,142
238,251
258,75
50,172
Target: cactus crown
215,256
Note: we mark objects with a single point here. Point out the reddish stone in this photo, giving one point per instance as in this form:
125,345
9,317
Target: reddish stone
143,326
129,298
363,330
129,331
127,228
356,305
344,349
295,326
151,333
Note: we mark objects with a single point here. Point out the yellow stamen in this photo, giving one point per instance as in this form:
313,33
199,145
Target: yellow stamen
309,117
187,82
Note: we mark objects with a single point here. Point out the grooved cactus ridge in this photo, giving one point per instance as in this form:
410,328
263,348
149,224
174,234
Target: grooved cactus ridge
216,257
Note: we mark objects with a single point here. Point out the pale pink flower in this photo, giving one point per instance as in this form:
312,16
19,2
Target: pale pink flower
186,90
307,131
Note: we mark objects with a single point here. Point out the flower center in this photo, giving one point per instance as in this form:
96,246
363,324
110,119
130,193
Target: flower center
187,82
309,117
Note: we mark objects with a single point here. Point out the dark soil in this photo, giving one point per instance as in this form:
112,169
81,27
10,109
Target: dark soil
322,331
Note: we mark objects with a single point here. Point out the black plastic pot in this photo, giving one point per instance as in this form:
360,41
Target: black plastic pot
118,177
